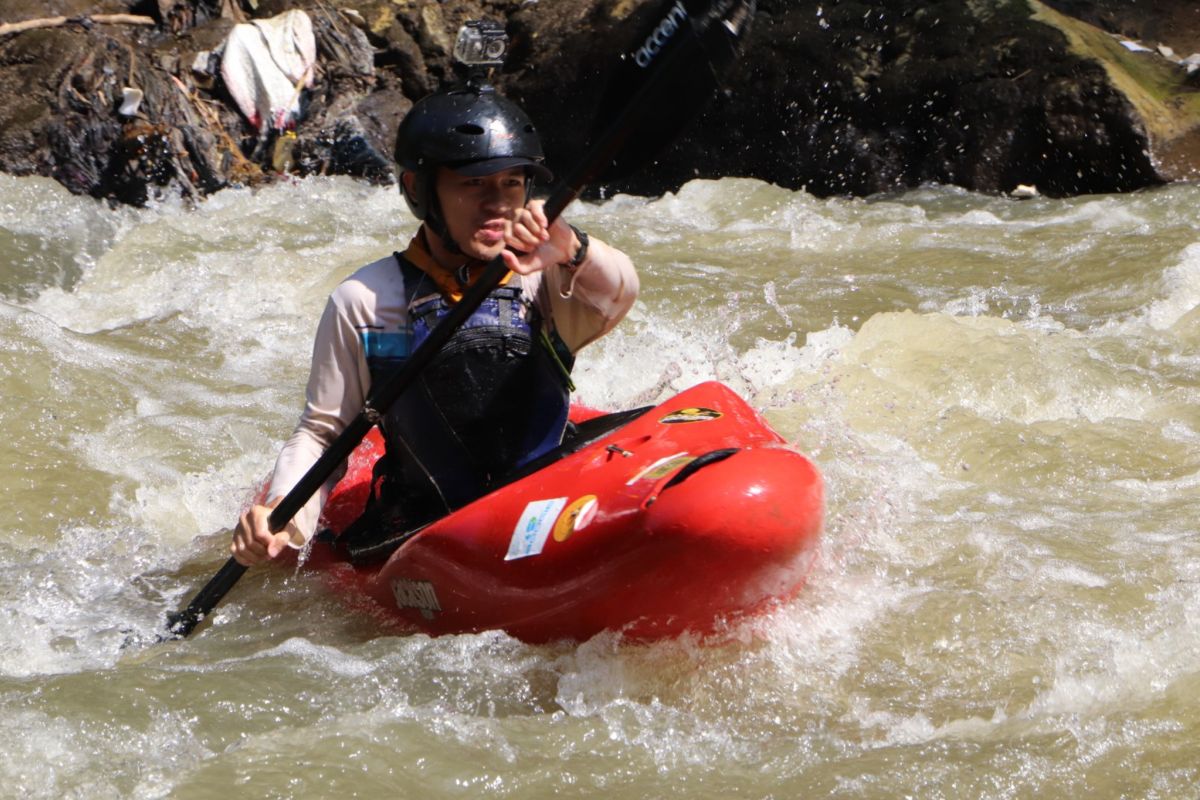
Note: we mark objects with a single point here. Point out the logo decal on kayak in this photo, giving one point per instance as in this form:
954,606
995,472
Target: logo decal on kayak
662,468
416,594
576,517
533,528
690,415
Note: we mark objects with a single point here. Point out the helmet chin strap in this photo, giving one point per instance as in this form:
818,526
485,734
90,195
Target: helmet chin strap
439,228
437,224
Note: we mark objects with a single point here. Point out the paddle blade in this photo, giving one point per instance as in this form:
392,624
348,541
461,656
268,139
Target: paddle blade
181,623
697,41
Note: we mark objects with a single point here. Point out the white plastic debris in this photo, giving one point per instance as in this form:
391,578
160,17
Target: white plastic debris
1134,47
202,63
265,66
131,100
1024,191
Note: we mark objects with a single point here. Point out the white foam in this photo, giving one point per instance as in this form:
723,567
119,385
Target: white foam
997,368
1072,575
1181,290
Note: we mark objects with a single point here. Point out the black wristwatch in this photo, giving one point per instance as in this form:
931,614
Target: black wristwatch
581,253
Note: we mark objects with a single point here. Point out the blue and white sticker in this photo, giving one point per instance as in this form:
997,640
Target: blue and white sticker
533,528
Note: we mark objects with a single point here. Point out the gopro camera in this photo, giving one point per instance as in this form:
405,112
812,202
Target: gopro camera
481,43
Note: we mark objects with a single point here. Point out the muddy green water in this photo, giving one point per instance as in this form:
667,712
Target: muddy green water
1003,396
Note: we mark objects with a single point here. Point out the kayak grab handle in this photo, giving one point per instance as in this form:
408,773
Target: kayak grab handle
699,463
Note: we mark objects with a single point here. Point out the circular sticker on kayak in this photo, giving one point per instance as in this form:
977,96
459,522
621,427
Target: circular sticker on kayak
575,517
690,415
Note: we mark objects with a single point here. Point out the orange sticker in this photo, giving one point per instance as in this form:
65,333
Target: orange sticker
575,517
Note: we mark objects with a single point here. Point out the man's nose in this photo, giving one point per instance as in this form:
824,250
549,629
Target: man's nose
493,195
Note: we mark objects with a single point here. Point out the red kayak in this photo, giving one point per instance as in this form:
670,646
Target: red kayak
652,523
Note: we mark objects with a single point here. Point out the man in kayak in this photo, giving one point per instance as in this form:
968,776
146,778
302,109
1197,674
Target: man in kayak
497,394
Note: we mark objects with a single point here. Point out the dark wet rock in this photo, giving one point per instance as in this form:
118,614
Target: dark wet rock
836,96
865,97
859,98
354,137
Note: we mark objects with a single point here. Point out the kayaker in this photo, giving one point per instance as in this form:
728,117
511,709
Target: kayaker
497,394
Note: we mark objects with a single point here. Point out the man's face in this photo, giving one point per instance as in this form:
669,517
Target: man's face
478,210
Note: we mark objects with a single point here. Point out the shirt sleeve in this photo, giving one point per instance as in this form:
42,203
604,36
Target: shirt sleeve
588,302
337,387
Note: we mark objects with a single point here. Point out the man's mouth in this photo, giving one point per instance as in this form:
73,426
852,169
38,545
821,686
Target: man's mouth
491,233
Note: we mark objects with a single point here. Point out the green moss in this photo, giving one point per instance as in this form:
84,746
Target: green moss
1154,85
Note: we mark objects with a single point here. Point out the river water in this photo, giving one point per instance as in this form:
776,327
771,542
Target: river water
1003,396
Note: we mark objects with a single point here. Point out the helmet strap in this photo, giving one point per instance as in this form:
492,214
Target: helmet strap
437,223
437,227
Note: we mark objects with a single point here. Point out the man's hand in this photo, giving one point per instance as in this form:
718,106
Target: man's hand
253,542
534,244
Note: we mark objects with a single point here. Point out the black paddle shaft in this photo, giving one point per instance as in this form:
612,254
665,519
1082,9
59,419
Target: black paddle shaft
691,43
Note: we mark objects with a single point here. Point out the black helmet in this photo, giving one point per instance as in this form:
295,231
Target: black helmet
473,131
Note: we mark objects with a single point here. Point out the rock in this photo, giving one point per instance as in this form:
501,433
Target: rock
1173,23
1164,108
354,136
858,98
841,97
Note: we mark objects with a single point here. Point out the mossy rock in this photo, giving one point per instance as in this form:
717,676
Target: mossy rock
1156,86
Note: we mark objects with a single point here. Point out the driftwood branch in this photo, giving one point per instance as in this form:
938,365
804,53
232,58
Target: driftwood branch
55,22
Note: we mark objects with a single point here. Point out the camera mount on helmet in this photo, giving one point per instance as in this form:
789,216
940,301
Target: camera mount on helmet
479,50
481,43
